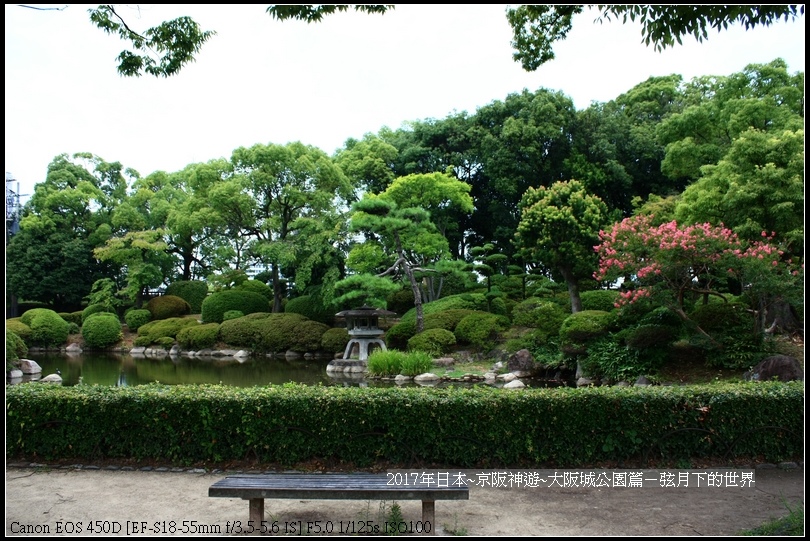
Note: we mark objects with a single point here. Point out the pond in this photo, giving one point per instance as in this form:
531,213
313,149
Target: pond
122,369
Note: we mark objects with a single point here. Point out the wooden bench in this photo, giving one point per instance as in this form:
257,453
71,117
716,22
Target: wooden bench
336,486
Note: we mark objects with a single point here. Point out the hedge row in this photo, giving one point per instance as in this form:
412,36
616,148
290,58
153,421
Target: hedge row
453,427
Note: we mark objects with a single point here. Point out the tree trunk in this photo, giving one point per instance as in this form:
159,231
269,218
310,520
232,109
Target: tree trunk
573,290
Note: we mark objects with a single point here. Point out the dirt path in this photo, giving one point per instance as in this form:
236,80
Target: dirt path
152,503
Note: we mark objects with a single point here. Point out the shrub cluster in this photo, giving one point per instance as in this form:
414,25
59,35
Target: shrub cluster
153,331
264,332
197,337
193,292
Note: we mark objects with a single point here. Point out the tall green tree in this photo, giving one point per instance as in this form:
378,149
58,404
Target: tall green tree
284,187
615,150
718,109
520,143
559,226
401,238
757,186
51,258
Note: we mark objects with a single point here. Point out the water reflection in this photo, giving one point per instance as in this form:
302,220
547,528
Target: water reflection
121,370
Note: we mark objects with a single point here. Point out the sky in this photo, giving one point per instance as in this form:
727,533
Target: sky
262,81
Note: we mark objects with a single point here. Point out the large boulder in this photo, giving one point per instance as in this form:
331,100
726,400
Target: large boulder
522,362
779,367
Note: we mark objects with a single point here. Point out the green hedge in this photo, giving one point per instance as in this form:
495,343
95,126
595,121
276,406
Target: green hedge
414,427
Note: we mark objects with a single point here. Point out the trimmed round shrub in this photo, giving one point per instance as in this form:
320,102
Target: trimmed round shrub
433,341
398,335
306,336
539,314
19,328
256,287
29,315
232,314
335,340
167,306
248,302
199,336
599,299
446,319
481,330
137,318
310,307
102,330
48,329
166,342
281,332
579,329
465,301
165,328
95,309
142,341
193,292
243,331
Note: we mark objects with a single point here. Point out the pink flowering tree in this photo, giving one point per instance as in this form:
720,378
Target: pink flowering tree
670,263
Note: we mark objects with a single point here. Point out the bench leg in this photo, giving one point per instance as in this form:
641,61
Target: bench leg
429,516
256,512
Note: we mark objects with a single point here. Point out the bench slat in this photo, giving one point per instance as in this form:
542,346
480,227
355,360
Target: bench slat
331,486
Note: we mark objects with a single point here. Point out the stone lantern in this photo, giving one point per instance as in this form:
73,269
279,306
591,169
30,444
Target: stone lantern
365,334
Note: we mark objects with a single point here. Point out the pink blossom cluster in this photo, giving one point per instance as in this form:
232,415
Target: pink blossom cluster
630,296
673,255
